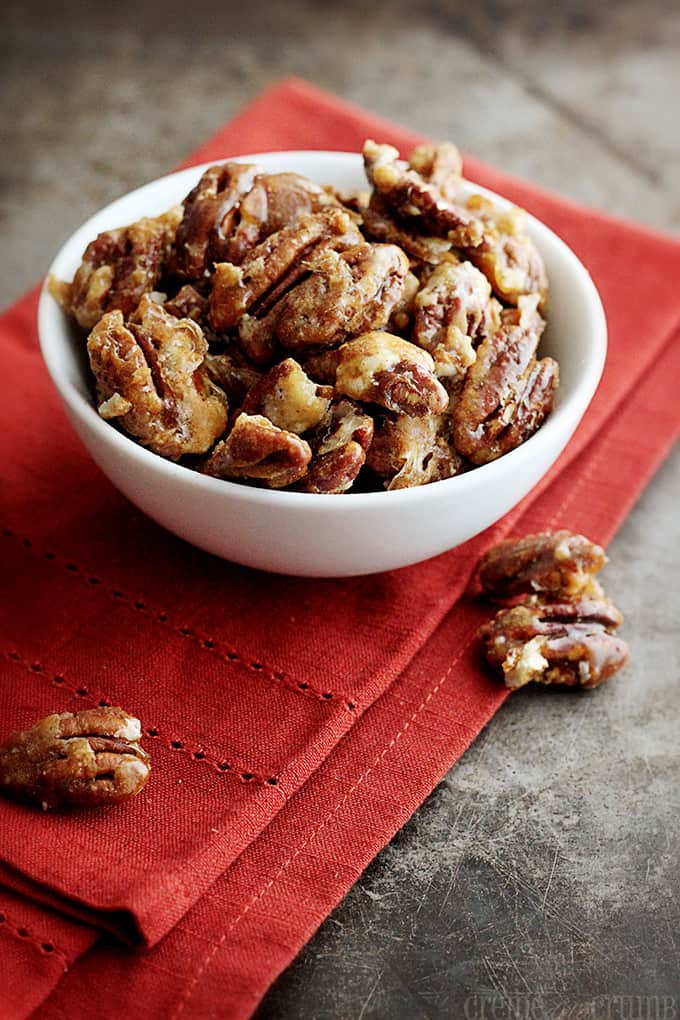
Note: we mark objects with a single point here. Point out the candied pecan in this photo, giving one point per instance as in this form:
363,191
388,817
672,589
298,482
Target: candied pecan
560,641
335,472
323,367
340,443
118,268
274,201
257,340
512,263
288,398
259,450
380,224
150,374
355,200
404,310
440,165
507,393
346,293
454,313
407,451
556,561
188,303
78,759
210,215
386,370
62,292
233,374
411,196
242,295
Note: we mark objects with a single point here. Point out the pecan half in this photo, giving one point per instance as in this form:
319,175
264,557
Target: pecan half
380,224
288,398
410,451
323,367
274,201
413,198
210,215
259,450
345,293
561,641
272,267
339,443
246,296
557,561
386,370
511,262
233,374
507,393
82,759
454,312
441,166
188,303
150,376
118,268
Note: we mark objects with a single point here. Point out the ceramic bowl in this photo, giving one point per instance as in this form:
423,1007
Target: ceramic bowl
326,535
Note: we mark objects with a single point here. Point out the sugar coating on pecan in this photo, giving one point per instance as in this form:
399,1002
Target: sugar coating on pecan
288,398
210,215
188,303
339,443
441,166
91,758
354,199
511,262
387,370
408,451
62,292
345,293
557,561
556,641
323,366
118,268
507,393
233,373
273,202
150,375
404,311
412,197
336,471
272,267
454,312
259,450
380,224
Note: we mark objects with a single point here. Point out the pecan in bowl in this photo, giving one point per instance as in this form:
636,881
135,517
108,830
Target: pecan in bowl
313,289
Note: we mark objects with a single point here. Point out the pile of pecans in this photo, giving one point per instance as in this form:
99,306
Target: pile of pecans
557,625
279,333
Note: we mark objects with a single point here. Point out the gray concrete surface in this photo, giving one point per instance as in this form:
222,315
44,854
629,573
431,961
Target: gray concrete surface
541,878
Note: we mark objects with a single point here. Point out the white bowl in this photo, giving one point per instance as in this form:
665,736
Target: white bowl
326,535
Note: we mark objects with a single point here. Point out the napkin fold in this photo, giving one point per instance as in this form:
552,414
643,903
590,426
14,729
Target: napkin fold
294,724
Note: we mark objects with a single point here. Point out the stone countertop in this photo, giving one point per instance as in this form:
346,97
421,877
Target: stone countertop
540,879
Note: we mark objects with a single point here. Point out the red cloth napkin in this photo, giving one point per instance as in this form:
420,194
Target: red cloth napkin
259,815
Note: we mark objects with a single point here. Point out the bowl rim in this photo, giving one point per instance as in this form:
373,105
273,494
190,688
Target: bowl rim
86,413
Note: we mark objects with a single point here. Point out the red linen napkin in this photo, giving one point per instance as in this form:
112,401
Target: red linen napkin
259,816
